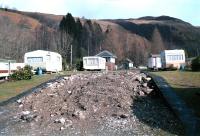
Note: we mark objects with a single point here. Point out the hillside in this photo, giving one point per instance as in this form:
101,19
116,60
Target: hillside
127,38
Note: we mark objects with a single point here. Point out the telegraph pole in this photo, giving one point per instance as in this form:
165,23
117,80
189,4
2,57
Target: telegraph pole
71,56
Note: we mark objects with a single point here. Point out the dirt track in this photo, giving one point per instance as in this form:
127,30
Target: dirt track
115,103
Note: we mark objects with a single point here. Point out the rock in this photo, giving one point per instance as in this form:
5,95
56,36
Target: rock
141,93
62,128
144,84
25,112
61,120
21,105
69,92
123,116
79,114
65,78
149,90
19,101
27,116
139,78
148,78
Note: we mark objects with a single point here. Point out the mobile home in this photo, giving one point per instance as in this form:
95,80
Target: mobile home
46,60
154,62
173,58
94,63
7,67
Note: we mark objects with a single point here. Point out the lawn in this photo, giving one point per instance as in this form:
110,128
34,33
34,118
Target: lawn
186,85
13,88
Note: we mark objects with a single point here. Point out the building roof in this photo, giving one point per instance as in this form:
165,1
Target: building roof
106,54
6,61
128,60
155,55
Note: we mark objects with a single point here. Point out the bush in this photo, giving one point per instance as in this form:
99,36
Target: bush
23,74
79,65
196,64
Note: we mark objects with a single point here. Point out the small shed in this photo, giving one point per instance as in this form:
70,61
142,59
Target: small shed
127,64
46,60
110,59
154,61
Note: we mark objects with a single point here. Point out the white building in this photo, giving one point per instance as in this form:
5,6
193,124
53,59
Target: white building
48,61
154,62
173,58
110,59
94,63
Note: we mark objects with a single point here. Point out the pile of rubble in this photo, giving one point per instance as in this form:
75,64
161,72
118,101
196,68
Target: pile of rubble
94,99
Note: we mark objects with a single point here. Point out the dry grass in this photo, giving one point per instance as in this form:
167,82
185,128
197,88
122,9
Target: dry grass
186,85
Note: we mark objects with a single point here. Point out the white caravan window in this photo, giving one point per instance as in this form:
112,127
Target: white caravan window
175,57
92,61
34,59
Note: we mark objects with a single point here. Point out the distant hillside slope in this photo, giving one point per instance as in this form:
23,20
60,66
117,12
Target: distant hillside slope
127,38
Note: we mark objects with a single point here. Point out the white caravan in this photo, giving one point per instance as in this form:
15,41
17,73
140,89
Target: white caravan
94,63
7,67
173,58
46,60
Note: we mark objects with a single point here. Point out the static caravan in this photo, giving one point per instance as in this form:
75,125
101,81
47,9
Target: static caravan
46,60
173,58
154,62
94,63
7,67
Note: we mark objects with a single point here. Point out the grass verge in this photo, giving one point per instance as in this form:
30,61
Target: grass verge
13,88
186,84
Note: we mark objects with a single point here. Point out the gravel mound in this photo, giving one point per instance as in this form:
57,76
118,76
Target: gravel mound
114,103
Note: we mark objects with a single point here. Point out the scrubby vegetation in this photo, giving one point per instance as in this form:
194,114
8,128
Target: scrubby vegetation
196,64
23,73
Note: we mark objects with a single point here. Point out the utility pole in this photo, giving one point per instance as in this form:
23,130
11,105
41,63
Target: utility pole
88,47
71,56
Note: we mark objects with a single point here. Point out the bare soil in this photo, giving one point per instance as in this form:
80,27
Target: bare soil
114,103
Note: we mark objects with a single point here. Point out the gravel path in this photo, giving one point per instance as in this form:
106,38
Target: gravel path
115,103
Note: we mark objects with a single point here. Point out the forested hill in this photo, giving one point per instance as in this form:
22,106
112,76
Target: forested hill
135,39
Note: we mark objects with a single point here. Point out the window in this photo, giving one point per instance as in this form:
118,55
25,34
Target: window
92,61
34,59
175,57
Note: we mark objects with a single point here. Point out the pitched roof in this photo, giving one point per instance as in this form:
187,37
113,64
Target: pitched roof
155,55
130,61
106,53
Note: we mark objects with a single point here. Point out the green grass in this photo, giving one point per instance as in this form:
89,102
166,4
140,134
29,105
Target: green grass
13,88
186,84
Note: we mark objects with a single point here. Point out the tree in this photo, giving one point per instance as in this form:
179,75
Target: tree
157,42
196,64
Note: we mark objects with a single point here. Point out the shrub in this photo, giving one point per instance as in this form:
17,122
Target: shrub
79,65
196,64
23,73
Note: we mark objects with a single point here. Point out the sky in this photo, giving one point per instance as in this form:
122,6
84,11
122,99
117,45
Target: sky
187,10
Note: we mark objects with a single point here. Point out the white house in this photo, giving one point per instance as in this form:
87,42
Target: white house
94,63
173,58
154,62
48,61
110,59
